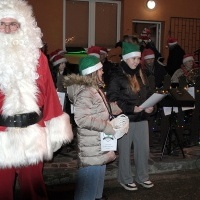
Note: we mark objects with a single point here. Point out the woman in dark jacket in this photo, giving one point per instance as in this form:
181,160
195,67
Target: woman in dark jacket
128,87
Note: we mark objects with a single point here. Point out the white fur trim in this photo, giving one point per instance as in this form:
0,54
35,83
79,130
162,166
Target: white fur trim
23,146
26,146
59,132
149,56
94,54
91,69
59,61
173,43
188,59
102,51
131,55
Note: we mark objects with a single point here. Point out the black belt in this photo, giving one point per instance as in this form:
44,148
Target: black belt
20,120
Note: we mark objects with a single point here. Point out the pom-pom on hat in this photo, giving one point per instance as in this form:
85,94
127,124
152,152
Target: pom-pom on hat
148,54
130,50
94,50
89,64
58,59
187,57
171,41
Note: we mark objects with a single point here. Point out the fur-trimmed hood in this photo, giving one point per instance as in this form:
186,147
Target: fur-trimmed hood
74,83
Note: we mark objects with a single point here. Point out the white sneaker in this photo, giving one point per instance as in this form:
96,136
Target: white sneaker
129,186
147,184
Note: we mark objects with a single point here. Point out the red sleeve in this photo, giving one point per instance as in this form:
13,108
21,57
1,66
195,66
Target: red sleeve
48,98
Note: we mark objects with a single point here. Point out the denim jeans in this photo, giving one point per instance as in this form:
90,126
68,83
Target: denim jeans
90,183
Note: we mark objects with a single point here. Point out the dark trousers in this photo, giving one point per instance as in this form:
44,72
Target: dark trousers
30,180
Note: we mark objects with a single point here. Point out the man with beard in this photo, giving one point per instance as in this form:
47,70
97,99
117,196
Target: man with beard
32,123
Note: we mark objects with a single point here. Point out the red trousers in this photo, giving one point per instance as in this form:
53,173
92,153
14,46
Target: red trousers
30,180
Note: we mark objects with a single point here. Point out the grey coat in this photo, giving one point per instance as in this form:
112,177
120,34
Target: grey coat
92,118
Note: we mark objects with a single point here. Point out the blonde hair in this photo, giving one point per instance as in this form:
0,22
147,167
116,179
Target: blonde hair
133,81
94,80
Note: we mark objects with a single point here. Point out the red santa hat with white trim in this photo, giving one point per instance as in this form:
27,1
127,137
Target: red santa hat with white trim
145,35
188,57
104,50
147,54
56,52
94,51
58,59
172,41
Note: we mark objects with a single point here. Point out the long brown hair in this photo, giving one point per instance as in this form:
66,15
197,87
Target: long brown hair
133,81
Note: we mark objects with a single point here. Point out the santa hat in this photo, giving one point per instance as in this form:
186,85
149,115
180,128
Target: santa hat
147,54
145,35
58,59
171,41
188,57
56,52
94,50
130,50
89,64
103,50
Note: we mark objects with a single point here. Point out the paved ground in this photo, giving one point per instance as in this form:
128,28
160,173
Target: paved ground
183,185
175,177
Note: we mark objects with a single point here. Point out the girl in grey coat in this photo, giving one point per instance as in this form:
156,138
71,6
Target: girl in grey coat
91,114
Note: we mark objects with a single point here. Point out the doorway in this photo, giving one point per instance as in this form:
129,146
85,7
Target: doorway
153,26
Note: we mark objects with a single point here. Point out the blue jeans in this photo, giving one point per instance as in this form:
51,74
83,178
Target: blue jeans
90,183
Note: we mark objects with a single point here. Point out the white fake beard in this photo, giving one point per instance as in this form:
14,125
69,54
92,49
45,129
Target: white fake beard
18,64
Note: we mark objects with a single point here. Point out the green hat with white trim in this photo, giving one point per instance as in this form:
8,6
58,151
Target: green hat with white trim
130,50
89,64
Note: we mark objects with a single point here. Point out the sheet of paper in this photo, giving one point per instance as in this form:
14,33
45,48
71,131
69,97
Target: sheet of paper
167,110
153,100
61,96
191,92
108,142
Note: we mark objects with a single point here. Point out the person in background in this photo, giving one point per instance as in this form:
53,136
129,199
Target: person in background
188,65
128,87
55,53
91,114
151,66
113,59
31,129
94,51
175,57
147,43
59,70
103,54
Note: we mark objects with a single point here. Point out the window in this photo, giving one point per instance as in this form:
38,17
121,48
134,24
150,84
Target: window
91,22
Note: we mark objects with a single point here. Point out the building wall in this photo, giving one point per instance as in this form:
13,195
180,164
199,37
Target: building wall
49,14
164,10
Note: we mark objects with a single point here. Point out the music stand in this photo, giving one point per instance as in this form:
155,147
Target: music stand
178,98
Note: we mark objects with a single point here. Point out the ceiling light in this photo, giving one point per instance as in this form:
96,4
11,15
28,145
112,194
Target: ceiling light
151,4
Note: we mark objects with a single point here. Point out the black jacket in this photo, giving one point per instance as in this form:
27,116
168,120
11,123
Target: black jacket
118,90
158,71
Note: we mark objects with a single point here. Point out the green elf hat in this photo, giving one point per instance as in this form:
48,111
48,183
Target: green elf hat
89,64
130,50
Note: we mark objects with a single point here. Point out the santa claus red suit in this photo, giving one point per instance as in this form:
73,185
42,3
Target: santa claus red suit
32,123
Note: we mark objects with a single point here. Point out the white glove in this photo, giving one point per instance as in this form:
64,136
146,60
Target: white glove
121,125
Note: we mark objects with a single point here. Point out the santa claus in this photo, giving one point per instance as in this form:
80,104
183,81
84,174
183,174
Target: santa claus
32,123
